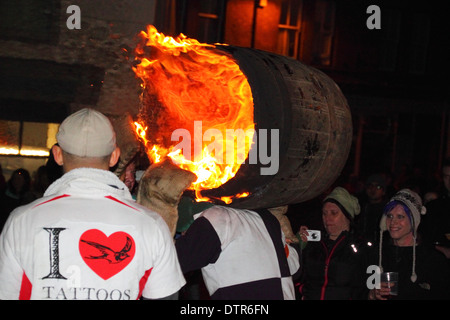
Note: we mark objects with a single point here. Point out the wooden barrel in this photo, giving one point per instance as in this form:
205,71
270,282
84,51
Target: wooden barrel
314,125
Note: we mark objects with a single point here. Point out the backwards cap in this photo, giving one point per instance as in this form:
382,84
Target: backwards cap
87,133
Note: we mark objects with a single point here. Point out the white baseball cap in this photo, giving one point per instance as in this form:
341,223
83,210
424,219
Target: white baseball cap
87,133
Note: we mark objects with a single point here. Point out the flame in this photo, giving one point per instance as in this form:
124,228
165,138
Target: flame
228,200
184,83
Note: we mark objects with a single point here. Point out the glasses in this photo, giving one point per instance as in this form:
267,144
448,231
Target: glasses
374,185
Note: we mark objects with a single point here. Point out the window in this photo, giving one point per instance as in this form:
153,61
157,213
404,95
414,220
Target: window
323,32
289,28
33,139
390,40
210,18
25,145
418,47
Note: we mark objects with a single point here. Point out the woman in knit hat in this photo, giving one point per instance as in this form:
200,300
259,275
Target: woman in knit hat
335,267
423,272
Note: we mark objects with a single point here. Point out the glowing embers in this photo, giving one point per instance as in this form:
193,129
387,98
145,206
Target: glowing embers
197,108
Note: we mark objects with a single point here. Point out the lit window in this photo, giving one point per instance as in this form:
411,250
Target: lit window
32,139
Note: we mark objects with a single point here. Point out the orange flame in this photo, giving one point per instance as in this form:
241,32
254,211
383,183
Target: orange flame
187,82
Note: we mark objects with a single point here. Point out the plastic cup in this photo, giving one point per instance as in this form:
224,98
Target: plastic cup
391,278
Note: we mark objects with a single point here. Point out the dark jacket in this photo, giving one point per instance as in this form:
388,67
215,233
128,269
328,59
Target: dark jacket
368,221
335,270
435,224
432,269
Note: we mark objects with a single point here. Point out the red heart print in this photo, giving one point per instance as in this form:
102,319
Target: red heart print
106,256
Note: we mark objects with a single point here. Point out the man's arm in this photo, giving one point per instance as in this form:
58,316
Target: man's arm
199,246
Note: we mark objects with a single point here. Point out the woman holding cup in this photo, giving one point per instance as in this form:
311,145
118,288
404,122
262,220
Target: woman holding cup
423,273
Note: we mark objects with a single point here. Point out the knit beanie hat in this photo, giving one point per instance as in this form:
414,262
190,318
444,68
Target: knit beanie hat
346,200
414,203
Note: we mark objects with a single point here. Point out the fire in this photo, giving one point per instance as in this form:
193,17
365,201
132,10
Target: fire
195,92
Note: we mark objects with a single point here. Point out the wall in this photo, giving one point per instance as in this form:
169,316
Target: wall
107,27
49,70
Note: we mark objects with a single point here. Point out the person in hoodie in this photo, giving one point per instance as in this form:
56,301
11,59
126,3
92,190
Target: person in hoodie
86,238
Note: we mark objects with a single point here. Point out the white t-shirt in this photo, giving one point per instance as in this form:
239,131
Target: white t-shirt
237,255
87,239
